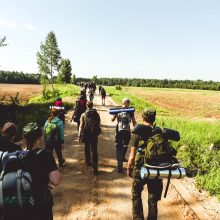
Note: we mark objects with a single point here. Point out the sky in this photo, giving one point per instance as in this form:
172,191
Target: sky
152,39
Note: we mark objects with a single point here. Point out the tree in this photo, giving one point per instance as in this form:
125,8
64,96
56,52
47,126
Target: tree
48,58
65,70
73,80
2,42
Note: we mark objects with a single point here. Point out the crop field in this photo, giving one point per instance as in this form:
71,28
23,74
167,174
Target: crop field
190,103
26,91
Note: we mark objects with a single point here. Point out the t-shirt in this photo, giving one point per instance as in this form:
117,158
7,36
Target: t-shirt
7,146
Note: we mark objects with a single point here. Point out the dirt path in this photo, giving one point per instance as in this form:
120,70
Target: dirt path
83,196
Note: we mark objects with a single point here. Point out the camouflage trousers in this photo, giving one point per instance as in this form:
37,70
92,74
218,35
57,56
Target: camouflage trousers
155,188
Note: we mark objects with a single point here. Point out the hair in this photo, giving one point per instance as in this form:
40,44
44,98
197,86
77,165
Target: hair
149,119
54,112
31,137
89,104
9,129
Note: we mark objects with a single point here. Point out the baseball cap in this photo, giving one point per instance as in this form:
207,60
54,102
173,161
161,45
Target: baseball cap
149,112
30,127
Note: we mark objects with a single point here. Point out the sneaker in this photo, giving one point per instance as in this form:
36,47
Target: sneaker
125,160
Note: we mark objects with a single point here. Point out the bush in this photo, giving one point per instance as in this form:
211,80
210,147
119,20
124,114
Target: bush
118,87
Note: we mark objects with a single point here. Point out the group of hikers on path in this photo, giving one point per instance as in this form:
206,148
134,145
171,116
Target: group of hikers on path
37,162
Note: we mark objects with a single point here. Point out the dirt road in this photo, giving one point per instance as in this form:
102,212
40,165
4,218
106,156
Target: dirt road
83,196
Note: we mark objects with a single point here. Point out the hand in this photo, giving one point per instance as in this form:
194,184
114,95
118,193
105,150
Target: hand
129,172
62,147
79,139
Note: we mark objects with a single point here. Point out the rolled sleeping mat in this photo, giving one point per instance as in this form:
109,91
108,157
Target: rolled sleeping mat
177,173
57,107
114,111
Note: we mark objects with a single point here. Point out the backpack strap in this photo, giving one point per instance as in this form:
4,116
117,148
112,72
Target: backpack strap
1,196
19,175
168,183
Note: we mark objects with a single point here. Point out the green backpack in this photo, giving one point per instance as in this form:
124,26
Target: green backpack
51,133
154,151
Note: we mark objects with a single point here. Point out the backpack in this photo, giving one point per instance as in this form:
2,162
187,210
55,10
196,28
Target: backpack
91,127
155,151
79,109
51,133
124,121
16,186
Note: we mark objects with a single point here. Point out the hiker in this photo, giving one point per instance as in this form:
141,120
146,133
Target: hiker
142,134
103,94
61,110
91,94
79,109
100,88
123,133
29,171
9,131
54,135
89,131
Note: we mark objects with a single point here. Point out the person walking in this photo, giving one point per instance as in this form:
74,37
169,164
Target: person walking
34,168
54,135
142,133
79,109
123,133
103,95
7,144
89,131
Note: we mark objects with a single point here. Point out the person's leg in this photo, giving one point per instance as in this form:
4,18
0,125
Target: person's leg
87,151
127,138
94,143
119,152
155,188
137,207
58,151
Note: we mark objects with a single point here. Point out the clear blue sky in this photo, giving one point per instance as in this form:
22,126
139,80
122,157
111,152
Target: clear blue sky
160,39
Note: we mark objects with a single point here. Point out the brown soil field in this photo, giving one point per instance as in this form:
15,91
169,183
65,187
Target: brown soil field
192,103
25,91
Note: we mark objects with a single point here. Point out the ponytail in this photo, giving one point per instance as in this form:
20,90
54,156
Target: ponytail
54,113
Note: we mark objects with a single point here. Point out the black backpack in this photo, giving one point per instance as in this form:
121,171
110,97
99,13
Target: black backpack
16,186
80,108
92,123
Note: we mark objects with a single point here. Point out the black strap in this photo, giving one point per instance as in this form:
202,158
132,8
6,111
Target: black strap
180,173
158,174
168,183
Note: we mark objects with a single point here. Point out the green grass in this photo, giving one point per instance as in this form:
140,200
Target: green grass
195,149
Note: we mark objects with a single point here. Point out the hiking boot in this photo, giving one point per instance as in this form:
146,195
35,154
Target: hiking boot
125,160
88,164
62,164
95,171
120,170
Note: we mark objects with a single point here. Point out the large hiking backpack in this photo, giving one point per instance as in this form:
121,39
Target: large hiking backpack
92,124
124,121
79,109
156,155
51,133
16,186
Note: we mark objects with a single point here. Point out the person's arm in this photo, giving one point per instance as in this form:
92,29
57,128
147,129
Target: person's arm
81,126
54,177
131,161
114,117
133,121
